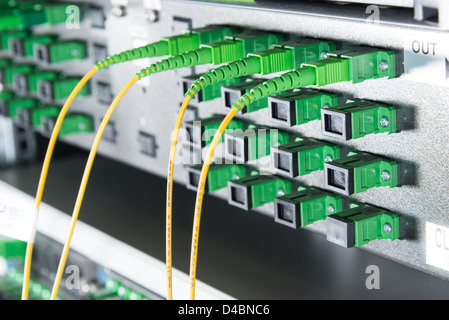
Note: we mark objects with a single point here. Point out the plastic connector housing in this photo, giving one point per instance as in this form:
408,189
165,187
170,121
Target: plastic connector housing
306,206
202,131
7,36
354,64
28,83
33,117
359,172
72,124
217,177
253,143
255,191
299,106
57,89
70,50
358,118
232,93
255,41
358,226
306,49
302,157
5,98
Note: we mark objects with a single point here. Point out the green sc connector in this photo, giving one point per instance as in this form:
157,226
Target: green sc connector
5,98
291,54
73,123
33,117
299,106
208,93
10,72
202,131
56,89
30,14
358,118
56,52
25,47
15,105
306,206
359,172
193,38
12,248
354,64
28,83
253,143
7,36
358,226
302,157
232,93
254,191
217,177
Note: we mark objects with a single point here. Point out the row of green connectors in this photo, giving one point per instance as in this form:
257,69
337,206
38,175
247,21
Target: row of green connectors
253,143
26,15
27,82
302,157
201,131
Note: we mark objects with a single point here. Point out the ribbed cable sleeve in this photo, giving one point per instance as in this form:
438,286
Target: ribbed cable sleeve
239,68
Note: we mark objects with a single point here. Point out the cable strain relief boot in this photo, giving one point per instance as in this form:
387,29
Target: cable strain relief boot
236,69
188,59
156,49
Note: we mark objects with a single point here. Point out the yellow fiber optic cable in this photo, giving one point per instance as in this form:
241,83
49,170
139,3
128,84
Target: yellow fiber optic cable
169,207
44,172
83,185
199,198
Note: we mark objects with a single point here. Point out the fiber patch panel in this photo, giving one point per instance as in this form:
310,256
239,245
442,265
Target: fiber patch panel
320,117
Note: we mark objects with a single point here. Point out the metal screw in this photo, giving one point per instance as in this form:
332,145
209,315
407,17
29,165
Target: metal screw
118,11
328,159
281,192
386,176
387,228
323,55
330,209
236,177
384,122
151,16
383,65
326,106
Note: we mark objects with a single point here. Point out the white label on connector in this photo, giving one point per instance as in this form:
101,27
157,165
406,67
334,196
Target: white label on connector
426,59
437,246
17,220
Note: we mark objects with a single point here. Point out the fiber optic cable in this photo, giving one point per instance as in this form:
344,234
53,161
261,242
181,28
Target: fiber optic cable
216,52
83,186
166,46
353,64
